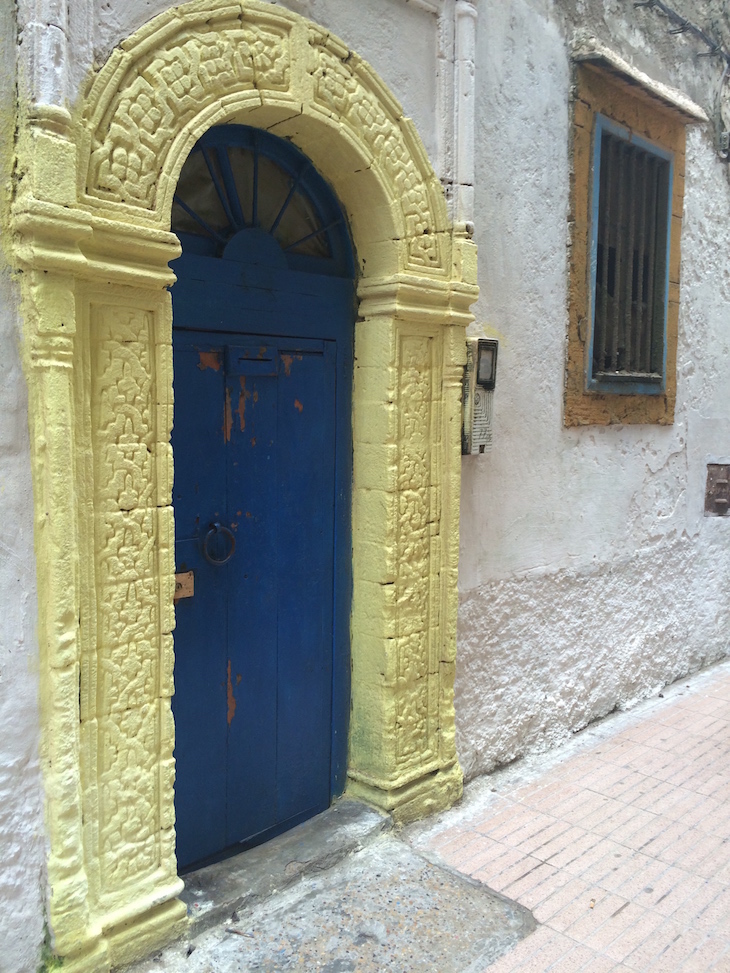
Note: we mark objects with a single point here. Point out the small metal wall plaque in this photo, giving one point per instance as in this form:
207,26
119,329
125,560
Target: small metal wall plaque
184,585
717,494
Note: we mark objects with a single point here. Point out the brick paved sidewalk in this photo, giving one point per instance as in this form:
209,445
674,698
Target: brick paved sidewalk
620,846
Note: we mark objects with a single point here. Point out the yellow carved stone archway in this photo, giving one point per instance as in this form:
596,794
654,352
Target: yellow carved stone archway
91,222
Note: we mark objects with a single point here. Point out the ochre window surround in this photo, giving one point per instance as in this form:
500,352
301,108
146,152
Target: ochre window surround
612,102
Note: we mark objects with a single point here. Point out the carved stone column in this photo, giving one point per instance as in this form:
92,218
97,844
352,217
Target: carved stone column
409,353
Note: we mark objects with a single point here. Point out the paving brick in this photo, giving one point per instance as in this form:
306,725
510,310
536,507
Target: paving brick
645,732
634,778
531,829
622,851
718,822
551,883
707,954
637,878
684,889
560,843
493,822
713,911
544,797
634,821
523,951
626,871
552,950
605,810
651,794
713,785
526,889
593,800
541,838
646,953
662,837
598,909
572,852
604,778
575,766
574,806
494,860
572,912
457,840
634,936
694,809
676,953
574,896
622,918
501,880
598,861
579,958
602,964
703,857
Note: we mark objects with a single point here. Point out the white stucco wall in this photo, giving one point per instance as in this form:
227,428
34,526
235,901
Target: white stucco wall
589,576
22,883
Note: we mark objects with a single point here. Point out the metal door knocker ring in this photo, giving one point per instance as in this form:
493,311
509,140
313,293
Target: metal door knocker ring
217,528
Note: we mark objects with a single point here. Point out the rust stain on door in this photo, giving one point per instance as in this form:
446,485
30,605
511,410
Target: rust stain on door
288,360
298,405
227,417
241,410
231,697
209,359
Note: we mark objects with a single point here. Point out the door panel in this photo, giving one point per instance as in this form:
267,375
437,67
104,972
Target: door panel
306,393
201,624
254,445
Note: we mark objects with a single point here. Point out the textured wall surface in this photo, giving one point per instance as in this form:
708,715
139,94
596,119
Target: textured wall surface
588,574
22,846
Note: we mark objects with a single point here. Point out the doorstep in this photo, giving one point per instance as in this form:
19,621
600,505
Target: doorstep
214,893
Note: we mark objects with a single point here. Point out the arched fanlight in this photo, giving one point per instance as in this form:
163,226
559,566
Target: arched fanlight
246,195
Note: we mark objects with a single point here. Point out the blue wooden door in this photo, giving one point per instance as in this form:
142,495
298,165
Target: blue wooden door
262,449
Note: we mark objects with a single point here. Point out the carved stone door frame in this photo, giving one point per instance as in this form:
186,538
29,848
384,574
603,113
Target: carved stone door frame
92,238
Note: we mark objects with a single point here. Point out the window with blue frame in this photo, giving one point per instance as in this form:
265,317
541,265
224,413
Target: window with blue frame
629,262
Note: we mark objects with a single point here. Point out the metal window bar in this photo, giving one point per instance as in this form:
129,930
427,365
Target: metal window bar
631,241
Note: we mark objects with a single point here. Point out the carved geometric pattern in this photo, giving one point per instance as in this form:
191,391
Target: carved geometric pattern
142,100
415,520
126,533
129,831
123,420
164,90
341,91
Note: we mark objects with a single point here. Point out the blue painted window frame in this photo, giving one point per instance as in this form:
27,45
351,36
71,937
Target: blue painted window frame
621,386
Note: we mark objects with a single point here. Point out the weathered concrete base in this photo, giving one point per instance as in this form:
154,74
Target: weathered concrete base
212,894
383,907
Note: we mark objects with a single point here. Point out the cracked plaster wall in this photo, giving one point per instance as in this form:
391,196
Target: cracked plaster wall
588,575
21,823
